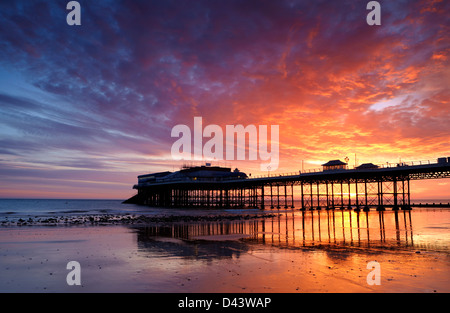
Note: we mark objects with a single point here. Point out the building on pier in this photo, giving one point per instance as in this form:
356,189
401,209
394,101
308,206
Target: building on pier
366,166
334,165
203,173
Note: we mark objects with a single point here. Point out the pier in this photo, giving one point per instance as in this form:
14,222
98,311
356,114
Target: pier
365,187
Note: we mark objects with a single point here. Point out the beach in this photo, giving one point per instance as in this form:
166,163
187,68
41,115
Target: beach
270,252
224,147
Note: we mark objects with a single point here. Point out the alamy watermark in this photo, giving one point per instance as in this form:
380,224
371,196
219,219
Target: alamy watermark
374,16
374,276
73,18
73,278
213,149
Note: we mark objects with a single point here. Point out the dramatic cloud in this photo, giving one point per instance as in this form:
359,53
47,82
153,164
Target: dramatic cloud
97,102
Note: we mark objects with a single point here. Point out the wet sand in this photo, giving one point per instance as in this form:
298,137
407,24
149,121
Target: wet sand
284,253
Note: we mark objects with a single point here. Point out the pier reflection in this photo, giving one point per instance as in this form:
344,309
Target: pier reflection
338,228
203,241
306,229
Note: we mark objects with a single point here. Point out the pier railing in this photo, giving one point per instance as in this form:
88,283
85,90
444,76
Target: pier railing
385,165
380,166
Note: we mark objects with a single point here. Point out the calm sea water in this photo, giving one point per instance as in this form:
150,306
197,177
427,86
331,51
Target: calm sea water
14,209
25,208
20,208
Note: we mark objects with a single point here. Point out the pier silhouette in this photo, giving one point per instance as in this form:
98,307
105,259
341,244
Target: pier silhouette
365,187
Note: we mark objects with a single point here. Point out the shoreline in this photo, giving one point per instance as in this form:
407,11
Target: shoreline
129,219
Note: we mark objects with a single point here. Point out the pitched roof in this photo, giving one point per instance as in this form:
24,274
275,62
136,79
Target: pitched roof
367,165
334,162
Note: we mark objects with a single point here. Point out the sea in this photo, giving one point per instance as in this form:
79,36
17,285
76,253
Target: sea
15,209
34,208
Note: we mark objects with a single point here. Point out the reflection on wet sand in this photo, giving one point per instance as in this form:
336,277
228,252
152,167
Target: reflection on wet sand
339,228
390,230
185,240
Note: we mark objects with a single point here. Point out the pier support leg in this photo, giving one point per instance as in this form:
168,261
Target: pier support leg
285,196
262,197
357,209
349,196
318,198
303,197
292,196
278,196
332,195
407,206
380,206
395,207
271,197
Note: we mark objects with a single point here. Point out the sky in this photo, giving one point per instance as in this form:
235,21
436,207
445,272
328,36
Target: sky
84,109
